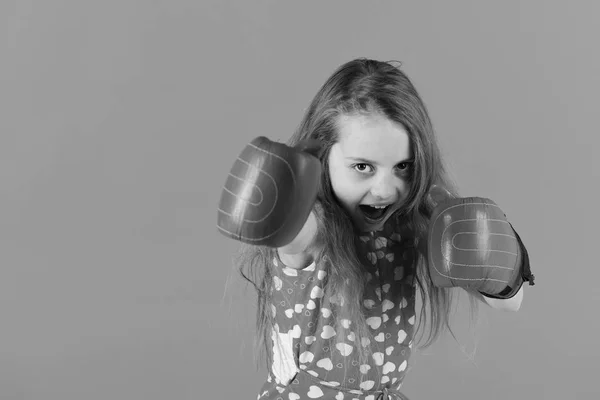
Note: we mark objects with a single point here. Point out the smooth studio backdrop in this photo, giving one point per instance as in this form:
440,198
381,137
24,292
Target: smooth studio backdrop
120,119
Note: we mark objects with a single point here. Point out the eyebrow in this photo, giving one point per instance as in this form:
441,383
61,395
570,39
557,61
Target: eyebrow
366,161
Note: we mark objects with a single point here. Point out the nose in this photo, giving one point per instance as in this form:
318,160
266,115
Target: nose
385,188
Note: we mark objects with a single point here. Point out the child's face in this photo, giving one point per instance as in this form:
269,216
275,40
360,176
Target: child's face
370,165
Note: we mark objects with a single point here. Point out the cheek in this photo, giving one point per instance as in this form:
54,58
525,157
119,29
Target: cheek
344,188
404,189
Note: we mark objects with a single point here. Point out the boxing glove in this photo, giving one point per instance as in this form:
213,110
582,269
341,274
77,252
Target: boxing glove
472,245
269,192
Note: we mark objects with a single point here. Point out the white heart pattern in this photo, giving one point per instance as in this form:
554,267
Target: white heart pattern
325,364
368,303
404,303
320,347
314,392
374,322
378,358
289,271
402,366
396,237
367,385
380,242
388,367
386,305
316,292
296,331
378,293
398,273
328,332
306,357
401,336
344,349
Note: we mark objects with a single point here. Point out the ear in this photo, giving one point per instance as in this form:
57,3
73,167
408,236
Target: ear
438,195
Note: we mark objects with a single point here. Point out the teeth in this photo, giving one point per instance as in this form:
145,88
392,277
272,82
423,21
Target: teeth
380,207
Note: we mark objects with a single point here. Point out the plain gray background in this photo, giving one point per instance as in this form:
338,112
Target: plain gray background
120,119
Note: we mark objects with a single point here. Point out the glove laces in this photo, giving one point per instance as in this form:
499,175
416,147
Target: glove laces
390,394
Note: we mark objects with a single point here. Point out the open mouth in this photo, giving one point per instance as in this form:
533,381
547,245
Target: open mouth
373,214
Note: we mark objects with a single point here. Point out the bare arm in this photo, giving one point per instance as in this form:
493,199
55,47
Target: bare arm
512,304
296,254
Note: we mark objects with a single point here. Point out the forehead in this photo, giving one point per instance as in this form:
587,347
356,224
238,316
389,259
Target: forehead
373,137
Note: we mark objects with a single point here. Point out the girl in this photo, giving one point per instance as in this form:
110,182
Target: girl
336,316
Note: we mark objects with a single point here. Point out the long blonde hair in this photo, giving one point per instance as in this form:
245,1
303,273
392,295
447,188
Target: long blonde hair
358,87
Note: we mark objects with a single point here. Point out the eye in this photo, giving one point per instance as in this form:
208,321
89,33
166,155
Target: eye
404,166
362,167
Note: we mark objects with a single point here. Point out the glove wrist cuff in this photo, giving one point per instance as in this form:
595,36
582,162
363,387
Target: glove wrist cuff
525,275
